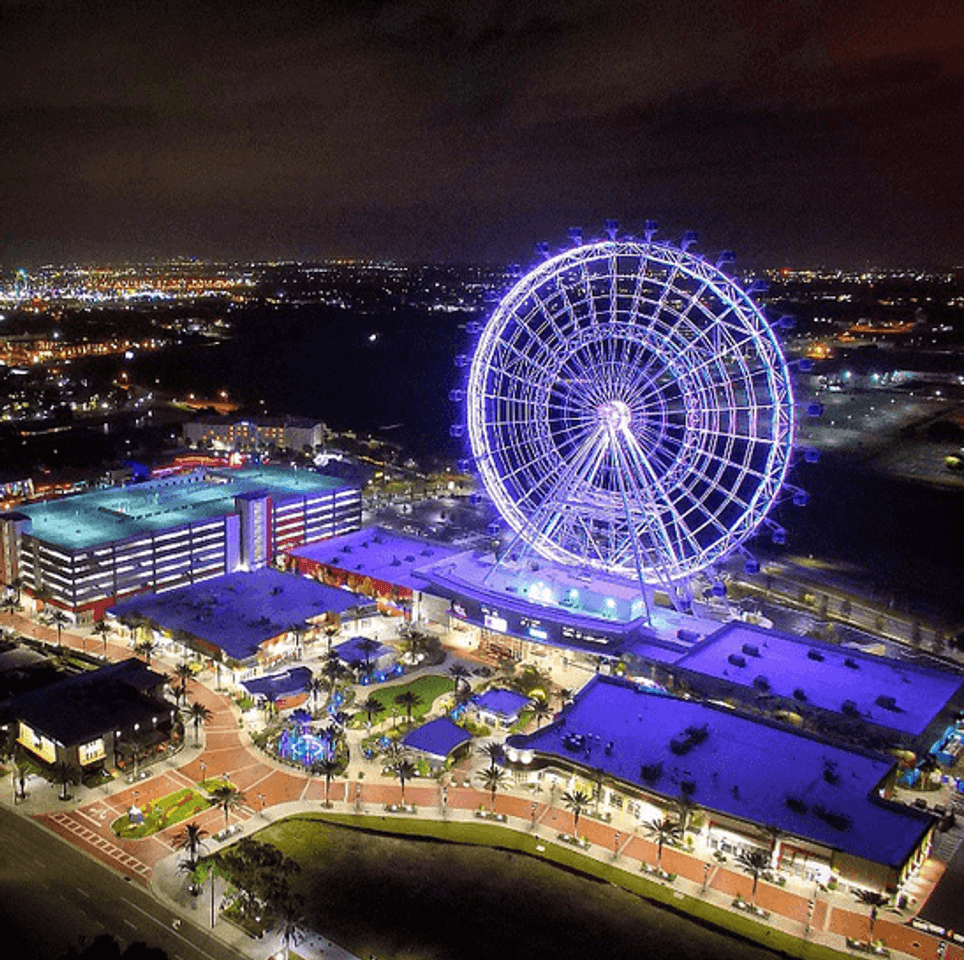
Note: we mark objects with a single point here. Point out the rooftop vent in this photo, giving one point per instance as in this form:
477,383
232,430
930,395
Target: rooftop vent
761,683
887,702
736,660
850,708
751,649
814,655
687,787
797,806
850,662
798,694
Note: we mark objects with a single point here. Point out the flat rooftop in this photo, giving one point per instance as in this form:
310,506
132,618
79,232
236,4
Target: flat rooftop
438,737
377,553
789,663
86,705
736,765
117,513
240,611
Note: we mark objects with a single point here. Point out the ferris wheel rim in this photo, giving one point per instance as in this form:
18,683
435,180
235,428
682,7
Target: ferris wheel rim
669,427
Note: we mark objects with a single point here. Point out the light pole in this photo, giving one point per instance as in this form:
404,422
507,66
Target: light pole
261,798
204,767
706,874
616,845
533,814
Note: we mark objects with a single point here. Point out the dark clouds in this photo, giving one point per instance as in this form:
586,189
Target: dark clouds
796,132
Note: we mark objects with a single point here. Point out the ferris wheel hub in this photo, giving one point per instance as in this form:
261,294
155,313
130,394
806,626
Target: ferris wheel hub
615,414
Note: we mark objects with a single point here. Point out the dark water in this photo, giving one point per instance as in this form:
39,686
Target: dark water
320,362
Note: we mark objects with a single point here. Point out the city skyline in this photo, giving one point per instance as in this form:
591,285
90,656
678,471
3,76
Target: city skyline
457,133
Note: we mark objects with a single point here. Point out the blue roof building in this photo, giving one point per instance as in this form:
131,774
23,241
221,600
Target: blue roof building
500,707
901,702
241,617
437,739
745,773
358,651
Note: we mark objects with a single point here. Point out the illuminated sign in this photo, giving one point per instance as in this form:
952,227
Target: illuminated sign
495,622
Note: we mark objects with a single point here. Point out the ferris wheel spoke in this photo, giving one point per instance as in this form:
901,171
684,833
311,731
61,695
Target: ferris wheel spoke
642,468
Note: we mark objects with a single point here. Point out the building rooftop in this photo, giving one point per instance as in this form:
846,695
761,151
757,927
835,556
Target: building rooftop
277,685
86,705
240,611
889,693
735,765
503,703
437,737
353,651
377,553
117,513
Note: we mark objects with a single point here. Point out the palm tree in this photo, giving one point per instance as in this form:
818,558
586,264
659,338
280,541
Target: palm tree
333,670
331,629
875,901
754,862
146,648
540,708
184,673
404,769
685,808
10,604
459,675
371,706
368,647
492,778
189,839
228,797
313,686
576,801
494,751
291,922
327,767
409,700
199,714
60,620
103,628
775,834
16,584
661,830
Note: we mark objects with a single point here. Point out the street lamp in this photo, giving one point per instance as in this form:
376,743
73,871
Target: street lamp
616,845
261,798
706,874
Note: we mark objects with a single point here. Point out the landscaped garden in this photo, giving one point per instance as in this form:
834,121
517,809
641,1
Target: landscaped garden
160,814
427,689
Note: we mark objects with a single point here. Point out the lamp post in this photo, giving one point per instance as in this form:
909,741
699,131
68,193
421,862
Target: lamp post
261,798
706,874
616,845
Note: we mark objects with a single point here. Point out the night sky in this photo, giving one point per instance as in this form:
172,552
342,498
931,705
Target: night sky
796,133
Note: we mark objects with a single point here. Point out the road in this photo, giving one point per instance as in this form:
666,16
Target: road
52,896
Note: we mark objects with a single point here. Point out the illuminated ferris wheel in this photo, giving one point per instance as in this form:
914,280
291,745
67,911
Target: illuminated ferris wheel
630,410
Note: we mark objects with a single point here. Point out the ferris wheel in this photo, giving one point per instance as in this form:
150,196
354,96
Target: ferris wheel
630,410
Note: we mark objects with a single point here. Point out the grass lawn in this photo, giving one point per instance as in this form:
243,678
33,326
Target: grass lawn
487,892
171,809
428,688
